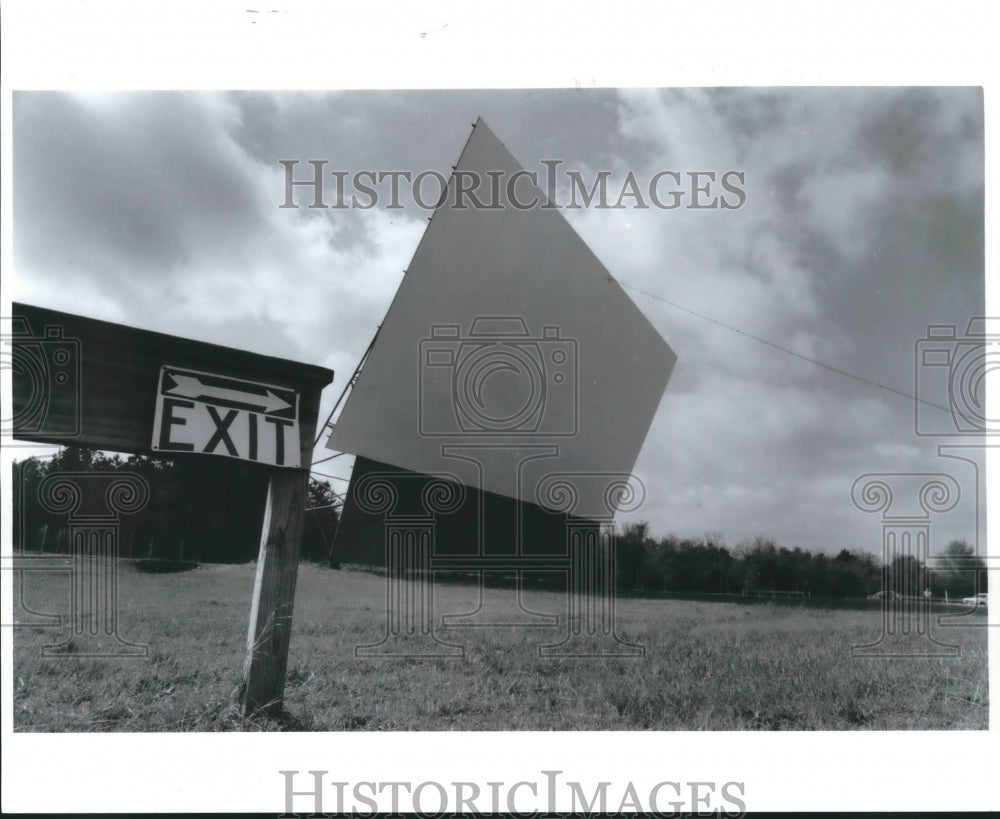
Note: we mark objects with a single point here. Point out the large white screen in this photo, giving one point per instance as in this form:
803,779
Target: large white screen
509,352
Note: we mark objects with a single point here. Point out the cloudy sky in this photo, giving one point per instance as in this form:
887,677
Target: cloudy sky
863,223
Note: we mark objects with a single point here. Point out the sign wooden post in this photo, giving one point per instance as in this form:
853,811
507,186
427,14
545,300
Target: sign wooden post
274,593
83,382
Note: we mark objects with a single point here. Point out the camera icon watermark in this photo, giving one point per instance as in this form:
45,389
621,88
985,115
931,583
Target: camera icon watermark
497,380
950,379
45,381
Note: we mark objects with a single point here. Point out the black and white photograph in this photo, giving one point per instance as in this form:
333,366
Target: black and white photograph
460,432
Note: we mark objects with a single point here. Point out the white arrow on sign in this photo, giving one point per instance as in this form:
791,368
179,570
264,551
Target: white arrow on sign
190,387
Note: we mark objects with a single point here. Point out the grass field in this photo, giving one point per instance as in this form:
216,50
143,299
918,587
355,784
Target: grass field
708,666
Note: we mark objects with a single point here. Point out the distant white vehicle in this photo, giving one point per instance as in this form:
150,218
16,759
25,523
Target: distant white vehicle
884,595
976,600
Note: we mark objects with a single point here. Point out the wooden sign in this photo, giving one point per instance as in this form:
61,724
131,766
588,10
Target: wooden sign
77,380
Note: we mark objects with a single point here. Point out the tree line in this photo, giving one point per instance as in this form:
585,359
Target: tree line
211,510
761,566
200,509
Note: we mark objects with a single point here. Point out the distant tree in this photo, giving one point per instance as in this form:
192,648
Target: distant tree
201,508
715,577
760,558
29,524
322,518
633,550
906,575
72,459
817,576
657,573
856,574
958,571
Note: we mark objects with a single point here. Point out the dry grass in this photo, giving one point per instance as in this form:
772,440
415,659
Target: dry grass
708,666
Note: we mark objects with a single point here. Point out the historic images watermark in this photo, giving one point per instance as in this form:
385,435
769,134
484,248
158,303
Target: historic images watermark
315,793
47,395
93,504
552,188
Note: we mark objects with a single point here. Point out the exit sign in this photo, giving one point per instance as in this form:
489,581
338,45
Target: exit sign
213,414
